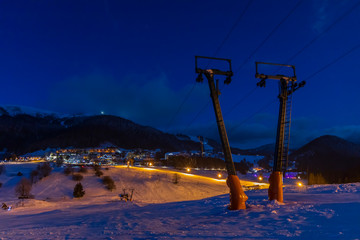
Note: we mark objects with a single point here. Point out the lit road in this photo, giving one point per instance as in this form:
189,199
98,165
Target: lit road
247,184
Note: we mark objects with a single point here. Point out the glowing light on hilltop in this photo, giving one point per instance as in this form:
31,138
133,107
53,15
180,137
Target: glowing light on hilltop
188,169
219,175
300,184
260,178
150,164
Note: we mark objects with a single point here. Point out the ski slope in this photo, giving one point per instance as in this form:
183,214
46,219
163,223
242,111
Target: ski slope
195,208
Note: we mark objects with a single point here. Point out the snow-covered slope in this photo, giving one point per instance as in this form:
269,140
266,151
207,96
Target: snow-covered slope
315,212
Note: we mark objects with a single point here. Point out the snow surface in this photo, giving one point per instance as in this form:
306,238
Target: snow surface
195,208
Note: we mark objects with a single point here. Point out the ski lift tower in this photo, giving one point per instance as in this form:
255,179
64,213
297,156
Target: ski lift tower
237,195
287,85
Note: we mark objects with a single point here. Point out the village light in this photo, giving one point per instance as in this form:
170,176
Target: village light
219,175
150,164
300,184
260,178
188,169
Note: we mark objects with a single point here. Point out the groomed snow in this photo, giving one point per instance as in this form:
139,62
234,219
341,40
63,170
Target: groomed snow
195,208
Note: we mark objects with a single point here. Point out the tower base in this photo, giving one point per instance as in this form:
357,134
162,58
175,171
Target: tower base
237,194
275,191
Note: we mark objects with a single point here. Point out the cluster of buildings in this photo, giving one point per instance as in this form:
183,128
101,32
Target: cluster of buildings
102,156
116,156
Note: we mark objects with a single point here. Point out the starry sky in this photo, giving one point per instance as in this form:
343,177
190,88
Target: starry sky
135,59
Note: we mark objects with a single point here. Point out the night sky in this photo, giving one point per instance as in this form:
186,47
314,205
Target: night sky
135,59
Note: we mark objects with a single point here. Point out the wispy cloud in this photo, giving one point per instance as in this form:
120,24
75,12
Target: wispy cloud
142,99
321,14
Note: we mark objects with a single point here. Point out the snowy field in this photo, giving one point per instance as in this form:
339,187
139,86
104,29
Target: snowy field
195,208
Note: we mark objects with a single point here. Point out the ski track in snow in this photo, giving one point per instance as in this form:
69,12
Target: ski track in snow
192,209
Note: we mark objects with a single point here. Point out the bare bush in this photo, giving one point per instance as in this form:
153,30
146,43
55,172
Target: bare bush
99,173
109,183
44,169
68,170
23,188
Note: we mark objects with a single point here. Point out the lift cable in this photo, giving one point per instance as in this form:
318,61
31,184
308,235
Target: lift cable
240,101
253,115
214,55
339,19
332,62
268,36
233,28
307,78
180,106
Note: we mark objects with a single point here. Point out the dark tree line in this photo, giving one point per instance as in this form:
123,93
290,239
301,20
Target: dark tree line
195,162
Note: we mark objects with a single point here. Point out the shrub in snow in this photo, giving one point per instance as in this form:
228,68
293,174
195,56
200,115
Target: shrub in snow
109,183
19,174
68,170
99,173
176,178
83,169
78,191
23,188
96,167
44,169
0,184
77,177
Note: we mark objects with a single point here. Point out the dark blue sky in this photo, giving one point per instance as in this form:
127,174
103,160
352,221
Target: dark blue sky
135,59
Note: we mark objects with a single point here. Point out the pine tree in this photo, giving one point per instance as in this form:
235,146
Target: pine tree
78,191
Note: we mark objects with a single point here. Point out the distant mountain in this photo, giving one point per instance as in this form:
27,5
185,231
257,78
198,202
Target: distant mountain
336,159
11,110
264,150
23,133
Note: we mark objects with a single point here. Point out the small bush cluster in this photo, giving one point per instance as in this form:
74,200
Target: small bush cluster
83,169
97,170
78,191
68,170
77,177
99,173
109,183
96,167
0,184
